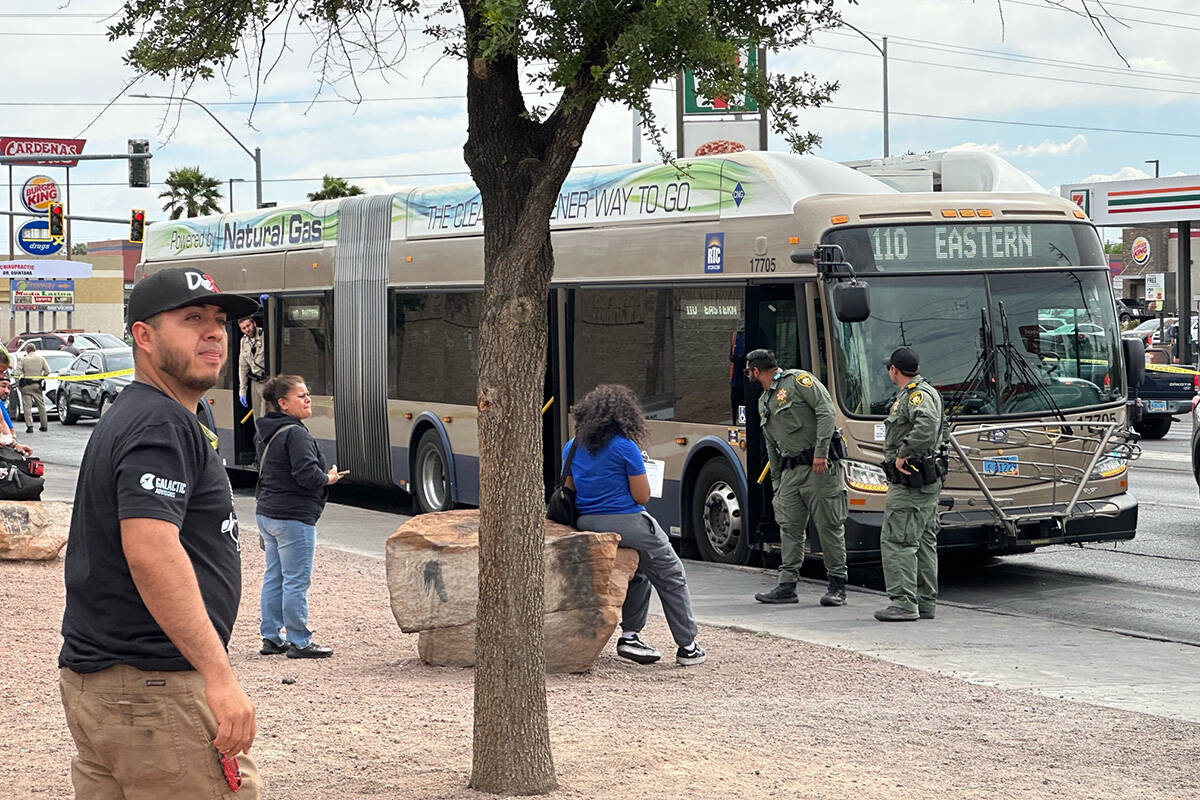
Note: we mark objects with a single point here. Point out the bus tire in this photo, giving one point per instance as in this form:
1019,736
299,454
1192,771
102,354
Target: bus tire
1153,427
431,475
717,514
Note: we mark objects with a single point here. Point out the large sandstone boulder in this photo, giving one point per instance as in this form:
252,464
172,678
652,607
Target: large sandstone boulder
432,573
33,530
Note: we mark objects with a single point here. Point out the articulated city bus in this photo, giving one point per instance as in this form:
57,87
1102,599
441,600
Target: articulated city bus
664,279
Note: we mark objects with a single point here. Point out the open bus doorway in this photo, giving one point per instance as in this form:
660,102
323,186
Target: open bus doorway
244,427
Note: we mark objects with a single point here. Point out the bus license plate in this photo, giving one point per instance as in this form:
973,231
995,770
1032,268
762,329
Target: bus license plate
1001,465
1158,405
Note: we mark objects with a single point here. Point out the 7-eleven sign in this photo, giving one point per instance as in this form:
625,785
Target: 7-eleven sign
695,103
1083,199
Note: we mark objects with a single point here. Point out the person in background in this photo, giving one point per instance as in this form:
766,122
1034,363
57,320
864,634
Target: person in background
293,486
70,345
8,437
153,569
608,474
32,383
252,366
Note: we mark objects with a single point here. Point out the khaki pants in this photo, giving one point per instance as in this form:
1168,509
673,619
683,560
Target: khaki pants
146,736
31,394
256,399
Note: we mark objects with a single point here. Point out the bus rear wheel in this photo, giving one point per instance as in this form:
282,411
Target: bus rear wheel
718,520
431,476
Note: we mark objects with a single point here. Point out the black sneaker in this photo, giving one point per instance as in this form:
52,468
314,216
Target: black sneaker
782,593
926,613
310,651
690,656
633,648
269,648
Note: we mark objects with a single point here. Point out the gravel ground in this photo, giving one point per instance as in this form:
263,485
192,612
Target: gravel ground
764,718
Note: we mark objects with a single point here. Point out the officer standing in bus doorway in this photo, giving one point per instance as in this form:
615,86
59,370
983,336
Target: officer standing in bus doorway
796,415
252,365
908,541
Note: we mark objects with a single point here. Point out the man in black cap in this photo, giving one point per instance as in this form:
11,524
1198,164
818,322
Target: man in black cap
908,541
153,569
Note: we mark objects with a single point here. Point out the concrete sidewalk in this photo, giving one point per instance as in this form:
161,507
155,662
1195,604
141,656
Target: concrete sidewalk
1019,652
1052,658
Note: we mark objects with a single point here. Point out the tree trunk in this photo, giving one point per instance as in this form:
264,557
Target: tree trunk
519,166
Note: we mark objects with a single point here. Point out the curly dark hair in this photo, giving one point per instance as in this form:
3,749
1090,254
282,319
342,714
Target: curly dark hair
606,411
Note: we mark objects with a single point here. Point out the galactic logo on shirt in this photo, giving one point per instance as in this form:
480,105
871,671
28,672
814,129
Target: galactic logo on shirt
163,486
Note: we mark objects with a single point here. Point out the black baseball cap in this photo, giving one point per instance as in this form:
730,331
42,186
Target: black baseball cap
177,287
904,359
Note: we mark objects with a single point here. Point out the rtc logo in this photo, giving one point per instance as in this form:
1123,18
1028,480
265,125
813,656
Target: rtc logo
38,193
198,280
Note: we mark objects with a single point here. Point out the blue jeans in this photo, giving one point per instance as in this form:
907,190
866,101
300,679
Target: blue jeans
284,602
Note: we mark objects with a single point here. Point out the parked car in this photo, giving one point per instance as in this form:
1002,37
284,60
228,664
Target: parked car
1130,309
1165,391
55,340
89,398
1148,330
58,360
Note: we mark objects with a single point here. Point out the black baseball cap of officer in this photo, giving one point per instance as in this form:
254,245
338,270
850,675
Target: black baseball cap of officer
904,359
169,289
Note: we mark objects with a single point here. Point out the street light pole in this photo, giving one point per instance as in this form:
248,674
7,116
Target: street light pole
256,155
1154,161
883,52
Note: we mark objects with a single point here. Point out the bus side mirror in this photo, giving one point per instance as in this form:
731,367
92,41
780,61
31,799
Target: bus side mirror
1135,363
852,301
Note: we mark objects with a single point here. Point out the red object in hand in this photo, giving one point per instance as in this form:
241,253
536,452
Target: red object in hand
233,776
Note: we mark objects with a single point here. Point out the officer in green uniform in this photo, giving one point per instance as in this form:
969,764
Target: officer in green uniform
796,415
908,541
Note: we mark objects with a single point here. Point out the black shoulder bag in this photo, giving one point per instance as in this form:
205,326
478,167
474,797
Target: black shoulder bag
561,506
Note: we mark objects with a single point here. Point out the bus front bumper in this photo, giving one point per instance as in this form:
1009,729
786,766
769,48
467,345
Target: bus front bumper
976,530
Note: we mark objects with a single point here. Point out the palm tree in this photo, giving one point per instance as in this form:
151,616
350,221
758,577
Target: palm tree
191,192
332,187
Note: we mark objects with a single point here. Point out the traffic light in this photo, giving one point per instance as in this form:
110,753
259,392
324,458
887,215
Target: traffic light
137,225
139,168
55,213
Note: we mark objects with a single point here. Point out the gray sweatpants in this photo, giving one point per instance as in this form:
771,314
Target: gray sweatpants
658,566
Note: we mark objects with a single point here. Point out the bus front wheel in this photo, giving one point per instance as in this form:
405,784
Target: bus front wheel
718,520
431,478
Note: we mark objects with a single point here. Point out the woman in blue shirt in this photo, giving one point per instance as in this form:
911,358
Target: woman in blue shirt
608,474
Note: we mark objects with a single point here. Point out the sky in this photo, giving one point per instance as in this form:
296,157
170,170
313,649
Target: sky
1024,79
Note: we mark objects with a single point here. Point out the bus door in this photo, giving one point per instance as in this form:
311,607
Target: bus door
554,417
243,418
775,320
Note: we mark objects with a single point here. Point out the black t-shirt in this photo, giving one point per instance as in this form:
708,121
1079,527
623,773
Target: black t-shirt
147,458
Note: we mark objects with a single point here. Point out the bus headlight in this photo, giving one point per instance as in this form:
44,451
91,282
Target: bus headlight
1107,467
865,477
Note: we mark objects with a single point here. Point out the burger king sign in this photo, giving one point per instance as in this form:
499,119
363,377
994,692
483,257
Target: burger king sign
1141,251
38,193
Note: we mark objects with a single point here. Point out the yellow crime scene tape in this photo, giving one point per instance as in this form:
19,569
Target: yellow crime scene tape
74,378
1169,368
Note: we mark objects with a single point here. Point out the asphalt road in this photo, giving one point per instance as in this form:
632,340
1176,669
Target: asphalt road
1149,586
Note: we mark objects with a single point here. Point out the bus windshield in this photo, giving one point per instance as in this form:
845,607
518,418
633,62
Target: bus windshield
1053,335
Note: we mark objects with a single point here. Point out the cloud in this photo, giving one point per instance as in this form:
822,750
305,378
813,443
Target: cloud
1074,146
1123,174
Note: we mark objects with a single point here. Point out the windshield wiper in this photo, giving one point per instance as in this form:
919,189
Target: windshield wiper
984,367
1013,359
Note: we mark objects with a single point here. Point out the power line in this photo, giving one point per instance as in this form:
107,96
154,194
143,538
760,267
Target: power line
1055,79
1013,122
1113,17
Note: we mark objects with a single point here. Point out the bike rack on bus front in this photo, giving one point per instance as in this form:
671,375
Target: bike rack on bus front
1054,437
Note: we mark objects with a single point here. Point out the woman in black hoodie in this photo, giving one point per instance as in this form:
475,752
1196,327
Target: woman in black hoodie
291,493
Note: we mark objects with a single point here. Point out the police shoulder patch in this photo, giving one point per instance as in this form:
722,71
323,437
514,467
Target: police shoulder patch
804,379
916,398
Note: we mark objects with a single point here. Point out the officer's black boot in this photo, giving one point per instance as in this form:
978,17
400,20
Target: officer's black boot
782,593
835,595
